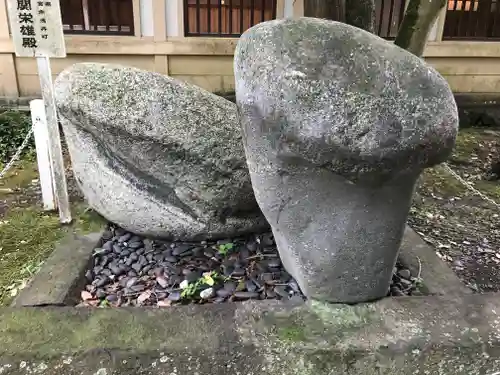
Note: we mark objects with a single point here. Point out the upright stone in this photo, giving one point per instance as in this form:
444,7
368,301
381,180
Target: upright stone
155,155
337,126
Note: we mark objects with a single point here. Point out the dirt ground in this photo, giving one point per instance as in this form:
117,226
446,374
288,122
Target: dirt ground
27,233
463,227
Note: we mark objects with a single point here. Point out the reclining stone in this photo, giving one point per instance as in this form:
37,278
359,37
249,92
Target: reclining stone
155,155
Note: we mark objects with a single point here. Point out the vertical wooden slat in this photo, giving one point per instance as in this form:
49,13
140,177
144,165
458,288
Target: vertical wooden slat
252,12
263,11
220,17
187,19
209,14
381,18
230,16
390,23
241,17
198,17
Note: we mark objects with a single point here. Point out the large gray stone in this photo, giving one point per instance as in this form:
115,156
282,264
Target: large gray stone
338,124
155,155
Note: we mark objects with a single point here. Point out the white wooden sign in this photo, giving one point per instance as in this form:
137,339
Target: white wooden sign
36,28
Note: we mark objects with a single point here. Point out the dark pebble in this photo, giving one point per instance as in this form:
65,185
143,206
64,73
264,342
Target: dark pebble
174,296
106,272
137,288
281,291
123,281
131,273
230,286
159,271
142,260
179,249
137,267
244,254
135,245
140,251
208,253
274,263
252,246
171,259
198,251
99,293
219,300
124,238
161,295
149,257
228,271
246,295
270,294
204,267
104,261
148,244
112,298
193,276
251,287
120,232
267,240
100,282
134,257
285,277
224,293
294,286
175,279
116,270
107,235
131,282
129,261
97,270
404,273
108,246
125,253
147,268
395,291
186,254
158,257
117,249
267,278
89,276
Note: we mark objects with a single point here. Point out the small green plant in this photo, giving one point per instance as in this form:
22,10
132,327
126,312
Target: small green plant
224,249
192,289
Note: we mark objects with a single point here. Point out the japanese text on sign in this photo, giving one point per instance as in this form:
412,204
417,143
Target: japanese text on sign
37,28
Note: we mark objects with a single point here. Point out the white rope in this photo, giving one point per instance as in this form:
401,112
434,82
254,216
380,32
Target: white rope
17,154
469,186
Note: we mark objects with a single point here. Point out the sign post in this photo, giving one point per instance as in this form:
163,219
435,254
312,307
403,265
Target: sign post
36,28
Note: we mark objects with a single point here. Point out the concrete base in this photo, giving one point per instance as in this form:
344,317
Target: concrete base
450,333
62,276
404,336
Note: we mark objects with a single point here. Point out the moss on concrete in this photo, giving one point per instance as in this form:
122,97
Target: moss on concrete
27,236
49,332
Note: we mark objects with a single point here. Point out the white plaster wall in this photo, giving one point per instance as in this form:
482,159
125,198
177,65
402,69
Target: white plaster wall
146,7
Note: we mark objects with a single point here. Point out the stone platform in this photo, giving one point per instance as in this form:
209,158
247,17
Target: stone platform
447,332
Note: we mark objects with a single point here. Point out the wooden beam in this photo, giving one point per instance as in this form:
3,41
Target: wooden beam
136,11
159,20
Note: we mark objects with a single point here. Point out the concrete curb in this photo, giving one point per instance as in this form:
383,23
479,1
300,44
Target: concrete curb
62,274
437,277
58,282
436,335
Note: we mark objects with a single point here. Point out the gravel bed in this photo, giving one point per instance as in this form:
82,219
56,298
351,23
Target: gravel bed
128,270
